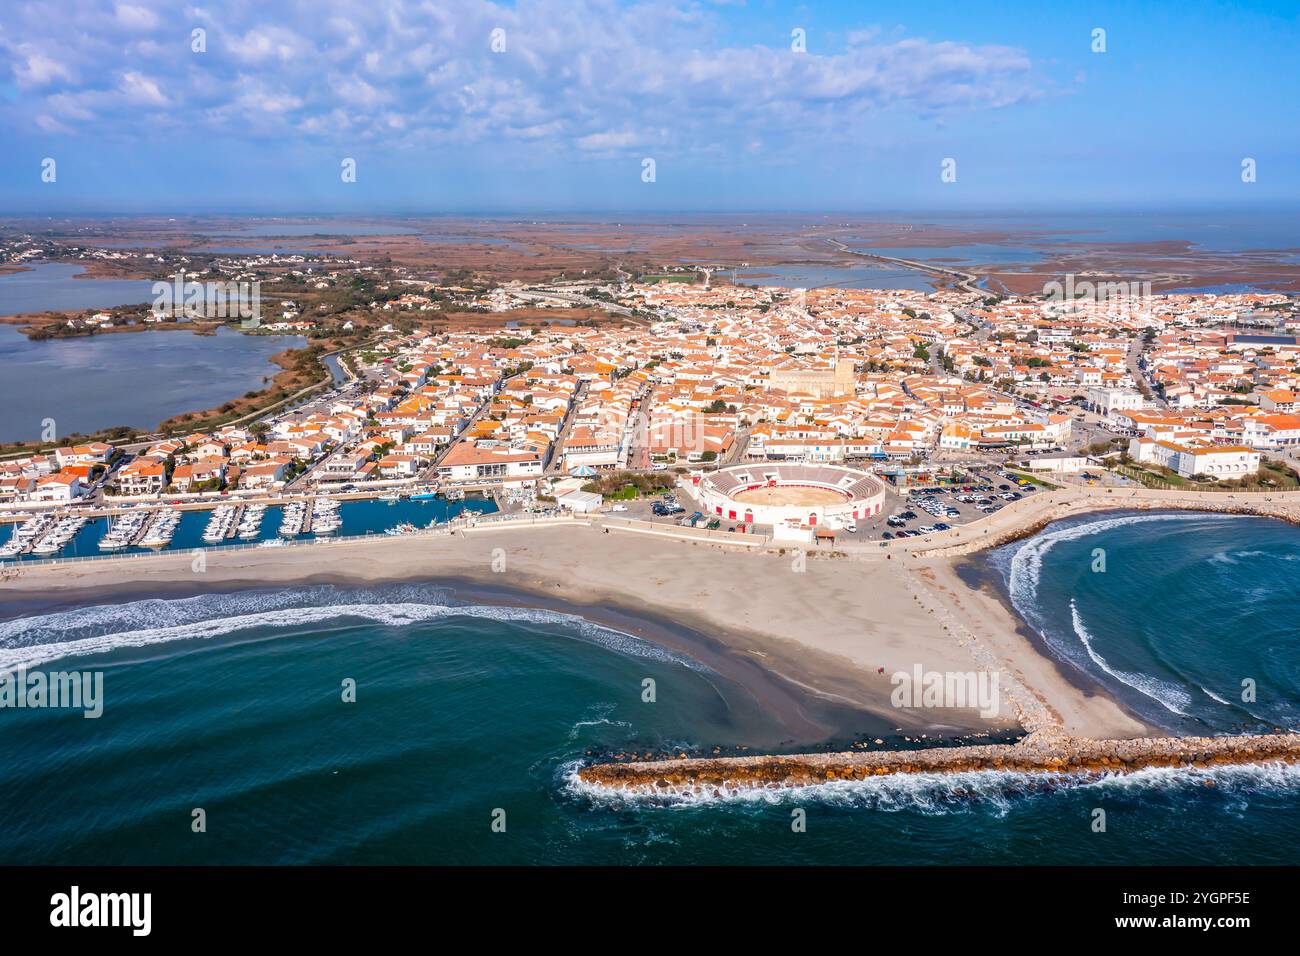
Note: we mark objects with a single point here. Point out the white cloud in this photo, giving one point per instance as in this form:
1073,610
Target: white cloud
37,69
610,140
576,73
138,88
136,18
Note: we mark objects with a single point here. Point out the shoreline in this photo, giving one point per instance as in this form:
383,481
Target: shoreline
800,643
1028,516
838,629
808,629
993,583
811,719
988,582
283,373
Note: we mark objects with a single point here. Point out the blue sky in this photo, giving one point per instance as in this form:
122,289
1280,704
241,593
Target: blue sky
586,90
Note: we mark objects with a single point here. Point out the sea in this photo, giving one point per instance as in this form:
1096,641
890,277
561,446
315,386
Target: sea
470,718
1188,618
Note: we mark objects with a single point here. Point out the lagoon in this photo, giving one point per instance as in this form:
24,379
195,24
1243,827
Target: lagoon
126,378
54,287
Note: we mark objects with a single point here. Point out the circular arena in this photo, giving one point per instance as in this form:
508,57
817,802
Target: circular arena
773,493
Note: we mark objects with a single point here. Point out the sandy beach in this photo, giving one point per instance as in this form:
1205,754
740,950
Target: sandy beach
834,625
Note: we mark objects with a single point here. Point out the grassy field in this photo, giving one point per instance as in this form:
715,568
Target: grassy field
1033,478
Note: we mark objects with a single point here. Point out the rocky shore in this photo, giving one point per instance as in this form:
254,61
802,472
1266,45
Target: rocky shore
718,776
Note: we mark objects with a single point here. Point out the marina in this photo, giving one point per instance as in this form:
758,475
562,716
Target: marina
73,535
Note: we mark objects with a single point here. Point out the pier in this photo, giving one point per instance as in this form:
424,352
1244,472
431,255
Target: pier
42,527
234,522
721,775
144,529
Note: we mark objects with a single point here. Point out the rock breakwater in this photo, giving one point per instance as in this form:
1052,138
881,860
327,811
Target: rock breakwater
1035,754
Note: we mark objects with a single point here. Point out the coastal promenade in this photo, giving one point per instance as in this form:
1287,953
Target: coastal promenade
1028,515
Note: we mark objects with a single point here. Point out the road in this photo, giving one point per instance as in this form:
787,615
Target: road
573,298
555,467
966,281
1134,369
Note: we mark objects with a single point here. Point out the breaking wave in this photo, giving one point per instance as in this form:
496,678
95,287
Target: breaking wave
1026,566
1169,696
32,642
1074,642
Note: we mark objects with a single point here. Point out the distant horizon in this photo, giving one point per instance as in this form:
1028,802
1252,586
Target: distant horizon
1025,210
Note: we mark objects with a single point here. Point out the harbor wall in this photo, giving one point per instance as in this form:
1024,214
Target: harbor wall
719,775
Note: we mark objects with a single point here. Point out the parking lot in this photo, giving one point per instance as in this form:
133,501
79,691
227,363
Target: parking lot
928,508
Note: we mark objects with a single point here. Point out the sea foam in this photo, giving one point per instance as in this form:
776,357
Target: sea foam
1169,696
35,641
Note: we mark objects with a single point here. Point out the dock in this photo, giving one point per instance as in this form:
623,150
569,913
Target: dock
309,515
234,522
41,530
144,529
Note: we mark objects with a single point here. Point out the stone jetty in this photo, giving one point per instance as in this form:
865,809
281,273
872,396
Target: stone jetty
1050,753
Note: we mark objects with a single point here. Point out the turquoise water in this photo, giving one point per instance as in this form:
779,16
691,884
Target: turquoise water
232,703
1170,613
367,516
